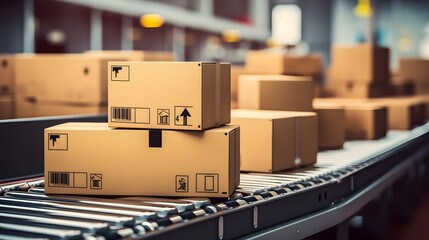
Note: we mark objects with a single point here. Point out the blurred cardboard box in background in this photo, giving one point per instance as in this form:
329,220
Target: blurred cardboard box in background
6,74
6,107
275,92
331,125
275,61
276,140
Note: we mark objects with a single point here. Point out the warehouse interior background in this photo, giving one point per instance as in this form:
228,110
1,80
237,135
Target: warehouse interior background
210,30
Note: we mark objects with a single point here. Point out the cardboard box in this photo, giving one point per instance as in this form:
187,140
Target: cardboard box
6,74
141,162
133,55
275,92
363,63
68,78
340,89
283,139
6,107
424,98
401,89
366,121
236,71
27,107
169,95
415,70
274,61
403,113
331,125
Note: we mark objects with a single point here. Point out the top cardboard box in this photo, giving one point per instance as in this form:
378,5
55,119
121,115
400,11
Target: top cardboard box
360,64
275,92
169,95
6,74
278,62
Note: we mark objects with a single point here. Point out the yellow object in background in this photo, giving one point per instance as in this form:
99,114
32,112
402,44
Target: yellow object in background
363,8
231,35
151,20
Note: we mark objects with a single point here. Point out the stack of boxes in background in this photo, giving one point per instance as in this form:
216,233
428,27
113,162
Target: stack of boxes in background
154,153
360,71
359,78
6,87
30,85
278,126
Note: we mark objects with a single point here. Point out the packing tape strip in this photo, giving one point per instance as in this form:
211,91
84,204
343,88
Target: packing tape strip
217,94
297,160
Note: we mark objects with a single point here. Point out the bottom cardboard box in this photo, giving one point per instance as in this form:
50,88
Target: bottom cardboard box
276,140
93,159
331,125
6,107
25,107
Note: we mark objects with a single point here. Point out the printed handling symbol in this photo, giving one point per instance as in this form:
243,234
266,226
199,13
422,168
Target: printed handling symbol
54,138
182,183
116,70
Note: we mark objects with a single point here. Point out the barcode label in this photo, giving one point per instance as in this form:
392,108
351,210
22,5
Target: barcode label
59,178
121,114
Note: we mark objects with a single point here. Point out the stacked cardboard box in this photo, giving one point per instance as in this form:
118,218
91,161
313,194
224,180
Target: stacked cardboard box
6,86
152,161
292,123
414,70
359,71
275,92
274,61
363,119
285,139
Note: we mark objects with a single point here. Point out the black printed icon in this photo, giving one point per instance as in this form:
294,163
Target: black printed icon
163,116
96,181
182,183
182,115
53,138
57,141
120,73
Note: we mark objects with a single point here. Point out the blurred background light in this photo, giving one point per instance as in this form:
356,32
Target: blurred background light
151,21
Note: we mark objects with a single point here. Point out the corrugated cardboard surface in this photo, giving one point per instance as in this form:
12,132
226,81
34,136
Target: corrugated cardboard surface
331,125
6,107
363,63
6,74
279,62
26,107
169,95
276,140
96,160
275,92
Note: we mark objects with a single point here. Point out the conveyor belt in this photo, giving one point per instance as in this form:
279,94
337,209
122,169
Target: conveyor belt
295,203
